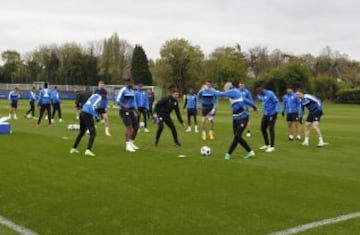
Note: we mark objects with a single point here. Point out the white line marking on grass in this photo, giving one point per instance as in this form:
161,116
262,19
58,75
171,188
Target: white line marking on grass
304,227
15,227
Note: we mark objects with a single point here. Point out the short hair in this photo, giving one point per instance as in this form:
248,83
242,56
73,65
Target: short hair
175,90
259,86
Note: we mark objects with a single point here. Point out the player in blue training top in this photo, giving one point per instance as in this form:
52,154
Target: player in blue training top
240,115
291,106
44,103
128,106
13,98
270,110
208,102
190,104
314,105
247,95
32,98
56,104
142,101
102,109
87,114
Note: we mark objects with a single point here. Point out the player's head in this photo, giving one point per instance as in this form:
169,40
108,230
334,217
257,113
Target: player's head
140,86
289,89
55,87
16,89
227,86
175,93
102,92
46,85
259,89
101,84
191,90
129,82
299,93
208,84
241,84
33,88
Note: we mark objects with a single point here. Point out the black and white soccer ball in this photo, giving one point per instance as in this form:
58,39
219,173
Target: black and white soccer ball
205,151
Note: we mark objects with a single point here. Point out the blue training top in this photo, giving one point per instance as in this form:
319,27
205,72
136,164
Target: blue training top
208,98
190,101
44,96
126,97
14,96
238,103
55,97
91,104
142,100
270,102
291,103
311,102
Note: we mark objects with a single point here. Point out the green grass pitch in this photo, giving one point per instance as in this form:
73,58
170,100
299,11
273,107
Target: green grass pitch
153,191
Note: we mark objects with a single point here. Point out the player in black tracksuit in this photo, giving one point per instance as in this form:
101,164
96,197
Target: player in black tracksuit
162,111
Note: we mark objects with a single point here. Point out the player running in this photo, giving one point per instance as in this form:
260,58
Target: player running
240,115
86,118
314,105
190,104
291,106
44,103
208,103
32,98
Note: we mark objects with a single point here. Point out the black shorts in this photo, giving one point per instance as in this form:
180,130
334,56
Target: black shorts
314,116
14,104
292,117
87,122
129,118
206,110
100,111
191,112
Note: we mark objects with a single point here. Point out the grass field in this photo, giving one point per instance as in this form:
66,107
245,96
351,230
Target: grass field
153,191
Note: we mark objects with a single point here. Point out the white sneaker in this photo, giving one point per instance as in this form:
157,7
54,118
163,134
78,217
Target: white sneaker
322,144
264,147
146,130
196,131
60,120
305,143
107,133
130,149
270,149
15,117
134,146
248,134
188,129
52,120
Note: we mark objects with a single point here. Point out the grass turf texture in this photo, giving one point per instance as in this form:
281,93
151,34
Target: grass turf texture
152,191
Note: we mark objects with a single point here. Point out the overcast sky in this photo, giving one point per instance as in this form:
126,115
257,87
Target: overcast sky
296,27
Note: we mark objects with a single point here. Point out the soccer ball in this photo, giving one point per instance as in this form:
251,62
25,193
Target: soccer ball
205,151
73,127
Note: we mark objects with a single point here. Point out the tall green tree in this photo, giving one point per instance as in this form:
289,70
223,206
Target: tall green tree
140,66
12,61
225,64
180,63
114,63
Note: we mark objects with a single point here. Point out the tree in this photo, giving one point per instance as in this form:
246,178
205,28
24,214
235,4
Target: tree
140,67
258,61
12,61
181,64
225,64
114,63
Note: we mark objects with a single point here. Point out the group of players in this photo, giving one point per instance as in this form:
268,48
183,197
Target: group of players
46,99
134,103
130,109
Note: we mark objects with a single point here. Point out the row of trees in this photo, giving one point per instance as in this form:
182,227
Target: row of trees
181,64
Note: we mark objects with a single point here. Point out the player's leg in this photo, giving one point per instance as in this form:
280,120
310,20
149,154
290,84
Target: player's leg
82,132
211,131
298,130
234,141
290,130
203,127
42,110
188,120
59,111
135,128
248,133
126,118
159,130
169,122
90,125
264,126
195,121
106,123
48,109
271,125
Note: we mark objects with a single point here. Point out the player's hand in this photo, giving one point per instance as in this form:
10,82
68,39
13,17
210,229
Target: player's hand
282,114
